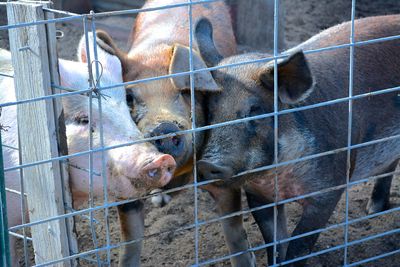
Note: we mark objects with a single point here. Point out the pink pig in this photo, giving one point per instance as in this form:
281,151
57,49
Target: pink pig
132,171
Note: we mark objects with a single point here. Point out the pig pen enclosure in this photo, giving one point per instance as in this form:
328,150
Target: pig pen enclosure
187,231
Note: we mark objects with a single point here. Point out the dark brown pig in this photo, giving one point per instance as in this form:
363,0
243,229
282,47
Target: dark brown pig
248,90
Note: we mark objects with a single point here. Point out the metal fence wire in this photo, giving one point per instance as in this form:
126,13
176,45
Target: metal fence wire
95,90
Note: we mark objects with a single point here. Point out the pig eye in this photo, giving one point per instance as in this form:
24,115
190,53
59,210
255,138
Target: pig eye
138,110
129,99
255,110
186,94
81,119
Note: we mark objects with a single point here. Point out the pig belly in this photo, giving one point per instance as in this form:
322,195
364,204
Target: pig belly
263,186
377,159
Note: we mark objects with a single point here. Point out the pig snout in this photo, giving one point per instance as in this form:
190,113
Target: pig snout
211,170
160,170
175,146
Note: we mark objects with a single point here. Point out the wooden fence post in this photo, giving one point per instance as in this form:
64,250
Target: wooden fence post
61,131
37,130
254,23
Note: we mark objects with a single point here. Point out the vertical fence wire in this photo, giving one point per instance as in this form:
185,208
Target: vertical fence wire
23,206
193,121
4,237
276,126
103,160
349,132
90,118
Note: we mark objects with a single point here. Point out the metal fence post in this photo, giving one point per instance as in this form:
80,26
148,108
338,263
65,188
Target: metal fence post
4,242
37,131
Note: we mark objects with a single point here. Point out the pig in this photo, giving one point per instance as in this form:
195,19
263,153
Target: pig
132,171
159,46
303,79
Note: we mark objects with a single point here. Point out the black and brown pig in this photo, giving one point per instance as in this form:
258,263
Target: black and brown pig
248,90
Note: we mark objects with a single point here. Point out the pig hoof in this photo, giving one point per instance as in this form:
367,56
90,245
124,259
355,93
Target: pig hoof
375,206
161,199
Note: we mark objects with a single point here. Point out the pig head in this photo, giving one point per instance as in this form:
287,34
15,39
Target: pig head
160,47
132,170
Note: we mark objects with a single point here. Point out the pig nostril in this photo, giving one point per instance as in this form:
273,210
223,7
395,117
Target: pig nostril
153,172
215,172
176,140
158,142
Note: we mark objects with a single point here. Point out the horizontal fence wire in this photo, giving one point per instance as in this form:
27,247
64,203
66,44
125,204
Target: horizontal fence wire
20,236
381,256
6,75
71,92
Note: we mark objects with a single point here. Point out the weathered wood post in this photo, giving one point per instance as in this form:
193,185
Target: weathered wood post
254,23
61,131
37,126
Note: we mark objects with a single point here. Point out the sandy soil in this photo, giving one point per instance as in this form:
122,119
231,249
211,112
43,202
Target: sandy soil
176,248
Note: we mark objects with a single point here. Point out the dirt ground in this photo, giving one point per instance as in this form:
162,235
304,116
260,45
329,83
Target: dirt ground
176,248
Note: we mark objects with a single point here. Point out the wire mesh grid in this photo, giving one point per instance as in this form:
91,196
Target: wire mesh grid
94,92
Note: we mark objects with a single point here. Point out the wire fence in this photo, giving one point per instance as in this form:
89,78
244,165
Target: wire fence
95,92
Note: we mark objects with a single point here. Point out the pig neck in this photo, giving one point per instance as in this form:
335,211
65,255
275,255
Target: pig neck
148,33
163,38
295,141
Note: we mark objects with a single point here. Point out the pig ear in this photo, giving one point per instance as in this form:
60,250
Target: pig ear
105,52
205,41
73,74
108,45
203,81
295,81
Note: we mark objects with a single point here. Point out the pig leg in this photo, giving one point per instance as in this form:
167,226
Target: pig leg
265,221
131,218
14,218
14,259
379,200
316,213
228,200
161,199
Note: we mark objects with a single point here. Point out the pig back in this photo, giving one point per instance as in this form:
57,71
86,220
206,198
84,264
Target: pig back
171,26
374,65
375,68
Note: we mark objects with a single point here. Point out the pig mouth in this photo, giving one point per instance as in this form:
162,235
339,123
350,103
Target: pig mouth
123,187
225,174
